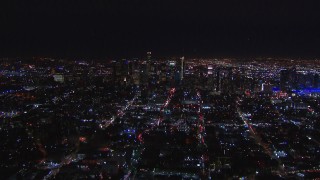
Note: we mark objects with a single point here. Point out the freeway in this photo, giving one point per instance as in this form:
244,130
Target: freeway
166,103
201,128
257,138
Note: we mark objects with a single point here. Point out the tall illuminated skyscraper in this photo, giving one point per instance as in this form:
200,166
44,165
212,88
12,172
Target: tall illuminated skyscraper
149,56
182,68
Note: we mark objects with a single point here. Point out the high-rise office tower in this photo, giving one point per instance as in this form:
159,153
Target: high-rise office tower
218,80
149,56
288,80
182,68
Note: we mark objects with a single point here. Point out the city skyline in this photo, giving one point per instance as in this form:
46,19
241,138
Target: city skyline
159,89
151,118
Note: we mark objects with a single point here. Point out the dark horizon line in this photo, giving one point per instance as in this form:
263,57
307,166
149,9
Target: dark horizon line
144,56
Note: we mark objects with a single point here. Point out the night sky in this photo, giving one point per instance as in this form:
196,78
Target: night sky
129,28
